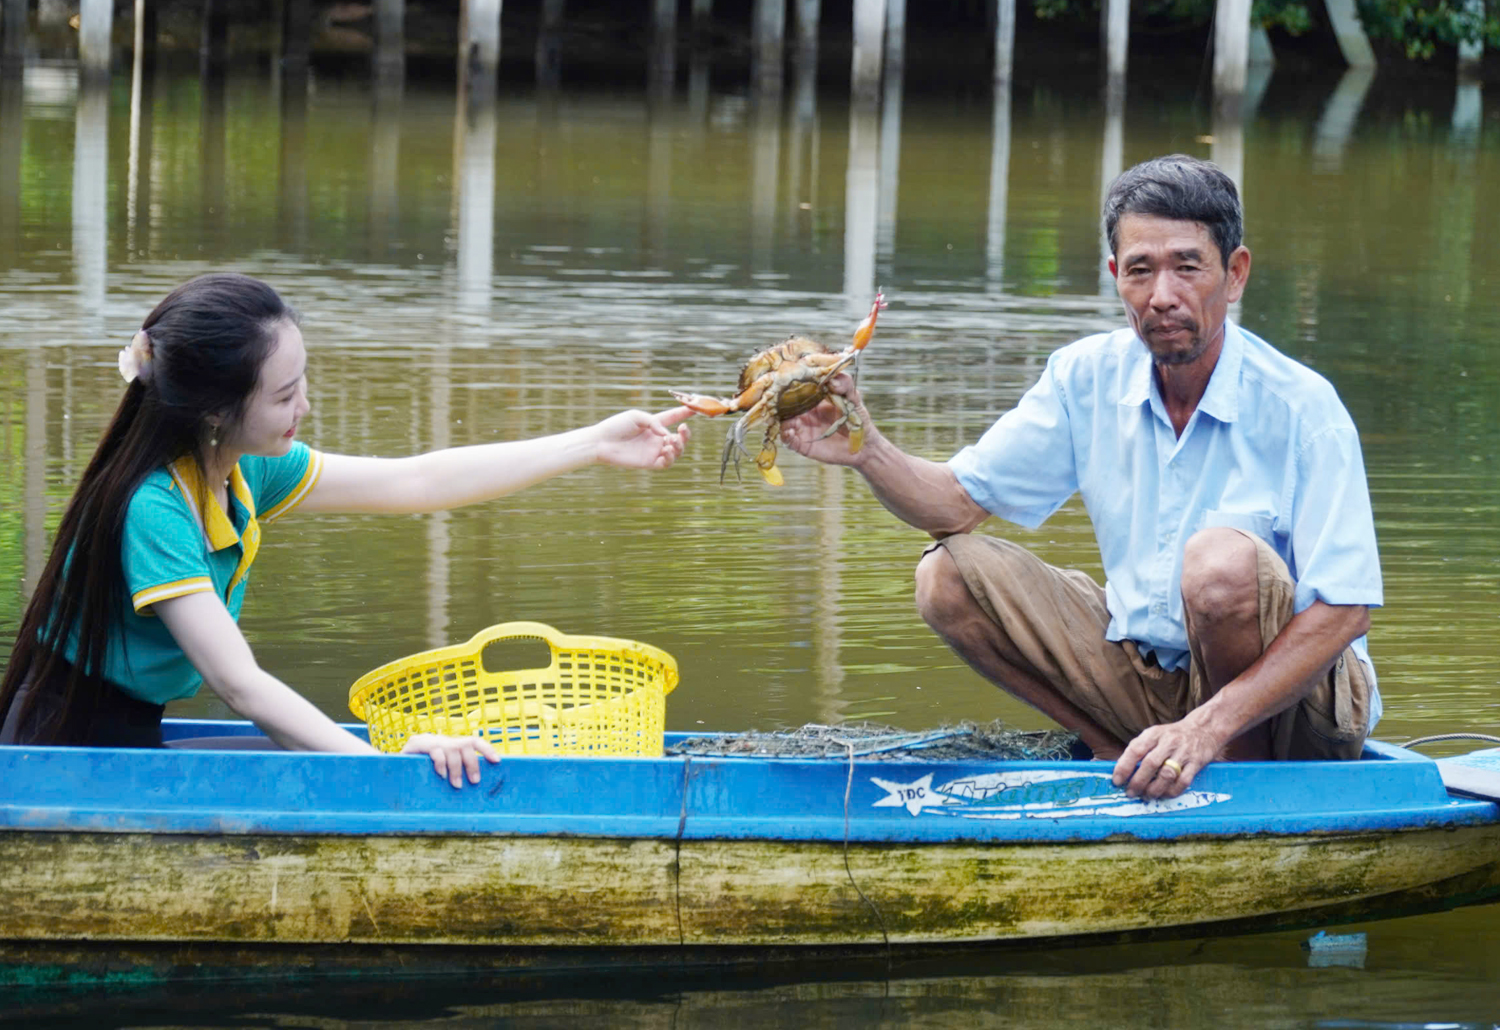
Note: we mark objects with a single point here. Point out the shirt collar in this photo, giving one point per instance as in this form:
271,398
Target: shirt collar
1222,398
218,528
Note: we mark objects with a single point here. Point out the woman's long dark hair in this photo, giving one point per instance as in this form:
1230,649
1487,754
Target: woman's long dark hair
208,340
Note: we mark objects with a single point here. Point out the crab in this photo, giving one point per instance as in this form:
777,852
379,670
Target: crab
782,382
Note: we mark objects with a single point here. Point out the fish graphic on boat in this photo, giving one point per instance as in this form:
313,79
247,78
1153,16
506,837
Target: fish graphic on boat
1031,794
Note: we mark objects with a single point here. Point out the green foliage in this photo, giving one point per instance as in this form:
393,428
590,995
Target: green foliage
1291,16
1418,26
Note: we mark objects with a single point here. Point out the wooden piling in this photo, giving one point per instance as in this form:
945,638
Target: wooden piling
1115,27
296,30
95,29
213,50
662,63
12,34
1231,49
390,38
143,49
895,36
1261,52
549,45
769,46
865,68
703,16
1350,33
1471,52
479,44
809,15
1005,41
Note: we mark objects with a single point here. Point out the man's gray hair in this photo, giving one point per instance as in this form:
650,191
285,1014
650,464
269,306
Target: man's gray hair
1182,188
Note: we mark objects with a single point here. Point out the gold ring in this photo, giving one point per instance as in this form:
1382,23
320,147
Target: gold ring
1174,765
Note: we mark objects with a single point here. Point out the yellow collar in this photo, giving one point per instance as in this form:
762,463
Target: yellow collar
218,528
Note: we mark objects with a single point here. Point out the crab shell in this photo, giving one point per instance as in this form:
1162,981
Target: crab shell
808,379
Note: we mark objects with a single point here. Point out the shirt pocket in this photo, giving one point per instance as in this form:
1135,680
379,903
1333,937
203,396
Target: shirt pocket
1260,526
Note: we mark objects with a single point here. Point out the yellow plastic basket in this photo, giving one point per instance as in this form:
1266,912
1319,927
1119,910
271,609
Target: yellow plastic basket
599,695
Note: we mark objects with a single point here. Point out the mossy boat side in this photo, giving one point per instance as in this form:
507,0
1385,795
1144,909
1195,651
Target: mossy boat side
264,849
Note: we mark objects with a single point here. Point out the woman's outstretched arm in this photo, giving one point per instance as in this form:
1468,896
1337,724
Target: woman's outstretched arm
457,476
212,641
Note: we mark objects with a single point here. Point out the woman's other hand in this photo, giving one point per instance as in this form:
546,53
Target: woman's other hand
452,756
639,440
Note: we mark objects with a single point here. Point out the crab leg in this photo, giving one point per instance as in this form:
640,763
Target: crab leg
766,459
847,416
867,327
711,406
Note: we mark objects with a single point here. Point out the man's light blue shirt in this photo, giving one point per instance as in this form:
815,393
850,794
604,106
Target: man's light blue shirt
1270,450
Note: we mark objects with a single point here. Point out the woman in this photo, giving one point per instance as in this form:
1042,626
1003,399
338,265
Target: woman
138,602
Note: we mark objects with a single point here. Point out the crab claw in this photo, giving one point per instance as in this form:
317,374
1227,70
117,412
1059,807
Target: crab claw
703,404
867,327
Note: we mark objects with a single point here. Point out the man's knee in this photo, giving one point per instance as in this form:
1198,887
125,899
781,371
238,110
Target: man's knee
1219,577
941,592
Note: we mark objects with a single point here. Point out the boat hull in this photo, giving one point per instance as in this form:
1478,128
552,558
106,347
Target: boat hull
255,848
601,892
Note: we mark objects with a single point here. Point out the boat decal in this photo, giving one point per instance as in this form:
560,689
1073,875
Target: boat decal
1032,794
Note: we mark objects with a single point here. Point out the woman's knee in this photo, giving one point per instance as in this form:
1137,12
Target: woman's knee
1219,572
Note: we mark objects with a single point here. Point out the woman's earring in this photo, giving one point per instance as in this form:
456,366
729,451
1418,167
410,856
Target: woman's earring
213,436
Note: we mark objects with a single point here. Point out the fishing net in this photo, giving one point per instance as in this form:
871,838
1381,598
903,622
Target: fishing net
993,741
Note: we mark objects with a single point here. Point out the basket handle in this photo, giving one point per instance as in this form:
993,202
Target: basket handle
554,639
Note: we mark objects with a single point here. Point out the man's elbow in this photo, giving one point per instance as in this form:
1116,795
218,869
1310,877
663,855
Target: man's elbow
1359,621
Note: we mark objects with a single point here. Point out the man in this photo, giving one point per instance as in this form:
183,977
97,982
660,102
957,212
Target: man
1227,493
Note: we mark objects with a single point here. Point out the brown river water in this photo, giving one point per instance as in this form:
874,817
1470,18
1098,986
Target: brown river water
475,275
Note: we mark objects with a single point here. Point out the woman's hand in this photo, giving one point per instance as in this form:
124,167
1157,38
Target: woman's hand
452,756
638,440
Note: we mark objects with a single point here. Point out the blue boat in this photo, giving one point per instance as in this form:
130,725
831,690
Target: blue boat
283,852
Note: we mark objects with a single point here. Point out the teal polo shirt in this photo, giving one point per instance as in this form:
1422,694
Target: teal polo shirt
172,546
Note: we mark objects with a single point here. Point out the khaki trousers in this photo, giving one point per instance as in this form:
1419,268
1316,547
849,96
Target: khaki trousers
1056,618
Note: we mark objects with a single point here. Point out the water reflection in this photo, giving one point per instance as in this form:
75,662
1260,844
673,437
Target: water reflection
521,276
662,60
765,176
861,204
212,169
1340,114
12,134
890,140
1111,164
1468,112
802,148
999,186
91,198
142,104
474,185
385,157
291,191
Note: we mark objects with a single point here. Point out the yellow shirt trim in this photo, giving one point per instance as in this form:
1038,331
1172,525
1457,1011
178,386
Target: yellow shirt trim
301,490
217,528
151,595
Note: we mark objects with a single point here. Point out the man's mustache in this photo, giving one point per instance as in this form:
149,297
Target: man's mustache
1151,325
